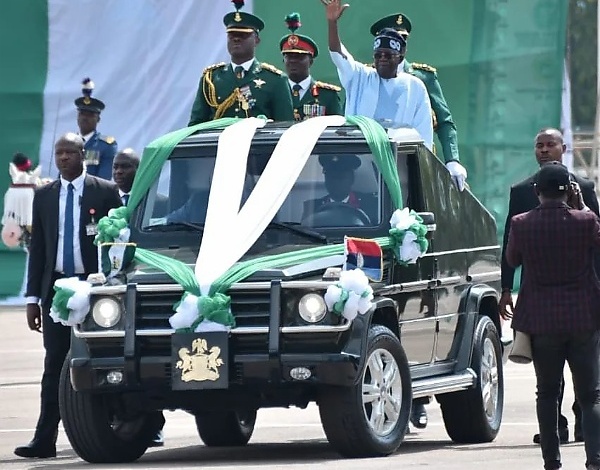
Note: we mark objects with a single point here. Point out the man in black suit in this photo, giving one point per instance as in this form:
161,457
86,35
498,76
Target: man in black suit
549,146
65,214
338,172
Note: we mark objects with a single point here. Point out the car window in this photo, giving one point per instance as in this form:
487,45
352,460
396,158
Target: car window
333,190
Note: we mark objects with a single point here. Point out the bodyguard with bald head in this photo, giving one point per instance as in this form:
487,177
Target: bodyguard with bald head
65,216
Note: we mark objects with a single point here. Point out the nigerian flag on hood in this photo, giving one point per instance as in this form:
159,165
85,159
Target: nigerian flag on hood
144,56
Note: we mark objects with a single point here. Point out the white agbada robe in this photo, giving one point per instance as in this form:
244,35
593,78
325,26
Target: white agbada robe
362,82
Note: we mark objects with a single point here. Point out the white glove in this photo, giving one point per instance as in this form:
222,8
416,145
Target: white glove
458,174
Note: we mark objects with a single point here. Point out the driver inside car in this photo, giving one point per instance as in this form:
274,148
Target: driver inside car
329,210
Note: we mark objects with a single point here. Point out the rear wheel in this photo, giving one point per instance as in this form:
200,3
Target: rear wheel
474,415
97,427
370,418
226,428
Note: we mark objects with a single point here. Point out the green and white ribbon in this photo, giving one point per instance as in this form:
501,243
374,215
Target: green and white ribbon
351,295
71,301
408,236
116,256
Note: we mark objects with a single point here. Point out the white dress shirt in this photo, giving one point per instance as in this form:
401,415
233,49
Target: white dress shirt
62,205
362,85
246,65
305,84
87,136
121,195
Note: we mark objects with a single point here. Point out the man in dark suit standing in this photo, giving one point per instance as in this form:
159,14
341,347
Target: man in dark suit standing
559,304
65,214
338,172
549,147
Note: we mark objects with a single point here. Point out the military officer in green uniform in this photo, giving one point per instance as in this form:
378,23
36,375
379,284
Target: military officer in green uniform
245,87
310,98
443,123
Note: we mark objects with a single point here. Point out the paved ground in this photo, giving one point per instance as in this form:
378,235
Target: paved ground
283,438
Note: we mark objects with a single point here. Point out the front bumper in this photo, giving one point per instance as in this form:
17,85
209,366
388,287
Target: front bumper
258,356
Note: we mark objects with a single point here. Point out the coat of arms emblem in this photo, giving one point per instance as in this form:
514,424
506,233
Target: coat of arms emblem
201,363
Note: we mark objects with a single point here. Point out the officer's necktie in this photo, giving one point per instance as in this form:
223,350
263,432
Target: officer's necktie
125,199
239,71
296,90
68,257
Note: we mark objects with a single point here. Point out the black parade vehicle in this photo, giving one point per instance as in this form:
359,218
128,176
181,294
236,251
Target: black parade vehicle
346,271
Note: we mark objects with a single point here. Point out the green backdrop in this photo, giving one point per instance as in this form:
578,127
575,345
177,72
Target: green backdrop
500,64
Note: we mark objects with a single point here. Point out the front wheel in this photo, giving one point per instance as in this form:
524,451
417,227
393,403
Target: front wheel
370,418
97,427
226,428
474,415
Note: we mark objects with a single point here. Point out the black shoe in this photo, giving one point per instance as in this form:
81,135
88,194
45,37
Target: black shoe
36,449
563,435
158,440
418,416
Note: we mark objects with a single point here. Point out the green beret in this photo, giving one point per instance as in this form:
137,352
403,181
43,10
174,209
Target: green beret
397,21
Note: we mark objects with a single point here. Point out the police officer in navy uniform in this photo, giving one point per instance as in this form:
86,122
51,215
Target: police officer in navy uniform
244,87
310,97
99,149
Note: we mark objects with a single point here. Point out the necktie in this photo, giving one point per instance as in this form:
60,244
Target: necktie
125,199
239,71
68,257
296,90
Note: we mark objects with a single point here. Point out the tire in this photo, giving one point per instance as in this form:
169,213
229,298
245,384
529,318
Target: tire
349,422
474,415
226,428
95,433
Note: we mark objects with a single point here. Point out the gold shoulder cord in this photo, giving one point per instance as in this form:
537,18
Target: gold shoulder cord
210,95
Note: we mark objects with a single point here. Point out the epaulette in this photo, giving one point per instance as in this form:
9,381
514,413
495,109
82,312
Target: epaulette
271,68
212,67
107,138
427,68
328,86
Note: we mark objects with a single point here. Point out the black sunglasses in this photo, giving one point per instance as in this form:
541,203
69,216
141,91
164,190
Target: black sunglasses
385,55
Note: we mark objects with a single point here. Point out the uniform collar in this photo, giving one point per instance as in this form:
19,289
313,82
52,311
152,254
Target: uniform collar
305,84
246,65
87,136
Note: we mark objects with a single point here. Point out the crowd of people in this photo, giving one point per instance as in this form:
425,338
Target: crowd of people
549,212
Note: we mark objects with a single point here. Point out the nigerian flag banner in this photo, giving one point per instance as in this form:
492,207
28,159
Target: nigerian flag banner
145,58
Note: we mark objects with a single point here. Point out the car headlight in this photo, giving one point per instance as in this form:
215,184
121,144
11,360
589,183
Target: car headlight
106,312
312,308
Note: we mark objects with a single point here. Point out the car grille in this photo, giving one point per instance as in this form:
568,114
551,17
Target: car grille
153,309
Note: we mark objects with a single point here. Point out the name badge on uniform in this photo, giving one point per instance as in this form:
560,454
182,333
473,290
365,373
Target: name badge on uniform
92,157
91,230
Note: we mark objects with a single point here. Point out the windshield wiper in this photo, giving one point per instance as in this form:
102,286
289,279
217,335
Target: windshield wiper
174,225
294,227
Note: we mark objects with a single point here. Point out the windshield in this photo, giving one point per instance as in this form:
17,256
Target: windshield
334,190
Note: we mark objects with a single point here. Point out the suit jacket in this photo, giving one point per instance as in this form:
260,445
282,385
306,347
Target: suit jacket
364,201
523,199
99,195
264,88
561,293
106,147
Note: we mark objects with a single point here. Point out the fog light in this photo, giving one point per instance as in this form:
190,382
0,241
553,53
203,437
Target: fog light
114,377
300,373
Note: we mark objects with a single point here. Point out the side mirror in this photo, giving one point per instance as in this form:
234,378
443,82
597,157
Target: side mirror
428,221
